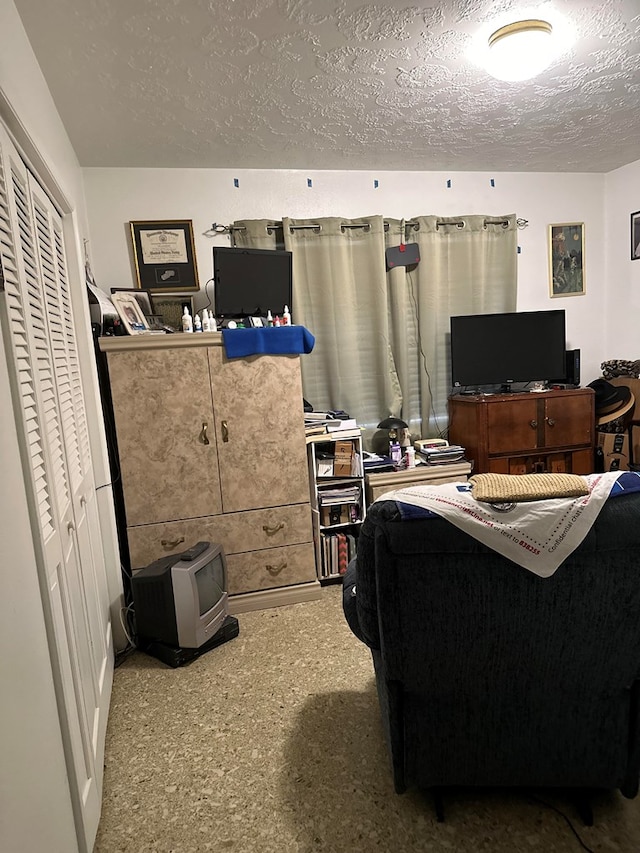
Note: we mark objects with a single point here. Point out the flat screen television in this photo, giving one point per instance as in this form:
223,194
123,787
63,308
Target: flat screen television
501,349
250,282
181,600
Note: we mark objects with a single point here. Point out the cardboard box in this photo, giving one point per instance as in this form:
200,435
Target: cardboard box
343,459
615,450
336,514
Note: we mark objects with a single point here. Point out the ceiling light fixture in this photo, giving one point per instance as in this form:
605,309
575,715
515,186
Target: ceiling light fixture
520,50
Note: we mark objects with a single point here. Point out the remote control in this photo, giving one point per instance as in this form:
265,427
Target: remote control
192,553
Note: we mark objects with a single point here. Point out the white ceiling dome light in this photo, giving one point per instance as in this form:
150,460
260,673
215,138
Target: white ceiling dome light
520,50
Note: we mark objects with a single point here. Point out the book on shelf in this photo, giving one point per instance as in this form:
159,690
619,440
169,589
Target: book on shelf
345,494
442,455
338,549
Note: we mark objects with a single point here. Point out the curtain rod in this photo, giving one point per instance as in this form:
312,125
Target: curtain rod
316,226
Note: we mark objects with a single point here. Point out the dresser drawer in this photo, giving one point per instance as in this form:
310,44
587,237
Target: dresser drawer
236,531
270,568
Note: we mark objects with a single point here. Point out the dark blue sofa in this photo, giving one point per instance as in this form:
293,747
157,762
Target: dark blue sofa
489,675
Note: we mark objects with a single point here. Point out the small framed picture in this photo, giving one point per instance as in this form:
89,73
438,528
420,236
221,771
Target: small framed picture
141,297
257,322
130,313
635,236
164,255
171,308
566,259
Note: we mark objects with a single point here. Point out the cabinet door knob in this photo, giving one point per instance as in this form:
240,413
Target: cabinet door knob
551,422
533,424
225,431
171,543
271,530
204,438
275,570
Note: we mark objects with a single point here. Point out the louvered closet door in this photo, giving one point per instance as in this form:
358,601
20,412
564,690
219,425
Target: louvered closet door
57,465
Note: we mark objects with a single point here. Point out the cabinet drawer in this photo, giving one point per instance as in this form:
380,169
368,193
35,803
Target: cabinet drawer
271,567
237,532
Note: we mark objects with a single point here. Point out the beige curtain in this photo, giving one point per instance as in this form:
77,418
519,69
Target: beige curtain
340,295
468,265
382,337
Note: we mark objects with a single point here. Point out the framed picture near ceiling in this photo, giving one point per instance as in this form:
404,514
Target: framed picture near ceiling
635,236
566,259
164,255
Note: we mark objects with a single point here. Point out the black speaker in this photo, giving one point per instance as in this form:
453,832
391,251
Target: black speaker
573,367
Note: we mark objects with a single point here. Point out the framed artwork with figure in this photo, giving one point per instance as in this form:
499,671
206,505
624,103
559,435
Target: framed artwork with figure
566,259
635,236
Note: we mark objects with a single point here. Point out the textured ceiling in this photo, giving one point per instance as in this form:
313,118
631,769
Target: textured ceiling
333,84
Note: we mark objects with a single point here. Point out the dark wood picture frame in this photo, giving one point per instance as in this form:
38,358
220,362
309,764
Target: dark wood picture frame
164,255
635,236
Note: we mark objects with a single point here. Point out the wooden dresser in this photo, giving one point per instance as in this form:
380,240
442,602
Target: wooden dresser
550,431
214,449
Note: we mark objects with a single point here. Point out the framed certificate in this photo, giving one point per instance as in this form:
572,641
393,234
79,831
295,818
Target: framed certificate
164,256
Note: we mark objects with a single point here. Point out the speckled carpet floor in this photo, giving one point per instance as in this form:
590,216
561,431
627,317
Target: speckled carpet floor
273,743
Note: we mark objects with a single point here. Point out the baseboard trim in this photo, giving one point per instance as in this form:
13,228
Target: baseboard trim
264,598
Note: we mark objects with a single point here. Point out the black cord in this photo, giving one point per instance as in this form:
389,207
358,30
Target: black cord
422,353
208,298
562,815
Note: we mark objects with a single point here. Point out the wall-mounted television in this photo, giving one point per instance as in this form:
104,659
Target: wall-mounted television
181,600
250,282
502,349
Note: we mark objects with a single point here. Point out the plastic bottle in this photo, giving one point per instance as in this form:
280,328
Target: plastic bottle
410,456
196,323
269,319
276,322
396,454
213,326
286,316
205,320
187,324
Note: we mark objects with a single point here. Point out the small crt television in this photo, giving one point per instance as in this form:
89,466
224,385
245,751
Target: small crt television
181,600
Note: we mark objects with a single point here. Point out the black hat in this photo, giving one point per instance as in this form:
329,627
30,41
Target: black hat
612,401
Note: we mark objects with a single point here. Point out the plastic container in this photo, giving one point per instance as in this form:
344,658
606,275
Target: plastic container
187,323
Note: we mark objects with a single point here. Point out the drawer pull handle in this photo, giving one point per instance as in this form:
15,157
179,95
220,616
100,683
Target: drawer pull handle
533,424
225,431
551,422
171,543
275,570
271,530
204,438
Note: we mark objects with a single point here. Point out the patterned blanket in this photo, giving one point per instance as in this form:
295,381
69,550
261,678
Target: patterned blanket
537,535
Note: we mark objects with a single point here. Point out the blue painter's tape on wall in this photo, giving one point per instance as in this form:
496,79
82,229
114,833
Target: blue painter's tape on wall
493,183
449,184
309,182
236,182
375,183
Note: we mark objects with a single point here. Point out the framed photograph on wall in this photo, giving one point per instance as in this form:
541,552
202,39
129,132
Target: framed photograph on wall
566,259
130,312
635,236
164,256
171,308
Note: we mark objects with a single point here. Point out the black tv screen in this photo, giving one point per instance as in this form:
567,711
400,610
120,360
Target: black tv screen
250,282
500,349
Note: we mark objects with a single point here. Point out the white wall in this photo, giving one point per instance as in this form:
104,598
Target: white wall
622,275
116,196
